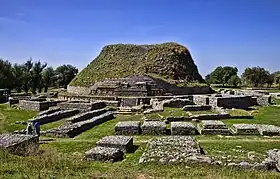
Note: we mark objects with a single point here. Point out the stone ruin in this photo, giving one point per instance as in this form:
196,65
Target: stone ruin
19,144
174,149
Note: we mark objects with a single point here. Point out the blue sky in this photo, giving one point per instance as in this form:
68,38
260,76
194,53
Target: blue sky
217,32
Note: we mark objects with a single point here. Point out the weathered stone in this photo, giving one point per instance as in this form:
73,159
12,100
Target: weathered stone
124,143
86,115
213,128
104,154
177,102
269,130
153,128
44,119
196,107
182,128
82,105
211,116
128,128
19,144
174,149
49,111
74,129
245,129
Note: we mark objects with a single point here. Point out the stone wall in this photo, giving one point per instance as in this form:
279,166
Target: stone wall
19,144
264,100
44,119
33,105
78,90
231,101
82,105
86,115
201,99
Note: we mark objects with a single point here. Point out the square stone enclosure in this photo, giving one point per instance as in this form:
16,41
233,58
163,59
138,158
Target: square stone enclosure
245,129
128,128
124,143
104,154
213,127
182,128
154,128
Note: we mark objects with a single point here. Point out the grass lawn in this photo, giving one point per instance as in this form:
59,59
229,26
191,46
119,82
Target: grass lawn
63,157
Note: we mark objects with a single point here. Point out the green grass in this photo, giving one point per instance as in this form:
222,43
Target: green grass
63,157
9,116
239,112
204,112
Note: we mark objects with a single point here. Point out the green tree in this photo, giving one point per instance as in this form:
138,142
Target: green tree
221,75
18,72
234,81
6,75
277,79
36,73
48,76
27,77
255,76
65,74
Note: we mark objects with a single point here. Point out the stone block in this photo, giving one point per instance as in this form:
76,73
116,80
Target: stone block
213,128
154,128
196,107
174,149
128,128
269,130
49,111
19,144
86,115
245,129
209,124
104,154
124,143
182,128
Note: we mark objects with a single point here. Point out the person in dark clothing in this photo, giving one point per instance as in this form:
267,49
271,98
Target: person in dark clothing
37,127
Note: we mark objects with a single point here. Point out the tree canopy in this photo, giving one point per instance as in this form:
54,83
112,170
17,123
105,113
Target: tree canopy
221,75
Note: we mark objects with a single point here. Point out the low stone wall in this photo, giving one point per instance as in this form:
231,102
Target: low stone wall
33,105
19,144
176,102
49,111
231,101
86,115
264,100
78,90
211,116
201,99
104,154
44,119
196,107
82,106
72,130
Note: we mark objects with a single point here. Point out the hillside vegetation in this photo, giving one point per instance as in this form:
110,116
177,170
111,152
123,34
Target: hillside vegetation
169,61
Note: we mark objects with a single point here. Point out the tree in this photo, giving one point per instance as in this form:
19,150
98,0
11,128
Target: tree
65,74
27,75
221,75
277,79
6,75
36,74
18,73
255,76
234,81
48,76
270,80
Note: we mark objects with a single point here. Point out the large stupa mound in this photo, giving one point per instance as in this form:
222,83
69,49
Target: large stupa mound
167,63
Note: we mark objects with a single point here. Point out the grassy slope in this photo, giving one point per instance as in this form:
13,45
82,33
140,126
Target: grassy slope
165,61
62,158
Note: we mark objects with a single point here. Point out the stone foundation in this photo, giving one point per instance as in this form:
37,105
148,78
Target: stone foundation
82,105
196,107
268,130
213,128
245,129
124,143
72,130
19,144
44,119
104,154
128,128
174,149
182,128
86,115
153,128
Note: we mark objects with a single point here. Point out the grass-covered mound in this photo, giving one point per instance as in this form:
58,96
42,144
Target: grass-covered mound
169,61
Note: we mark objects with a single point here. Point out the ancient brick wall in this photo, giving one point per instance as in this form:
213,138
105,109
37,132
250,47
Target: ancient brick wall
34,105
